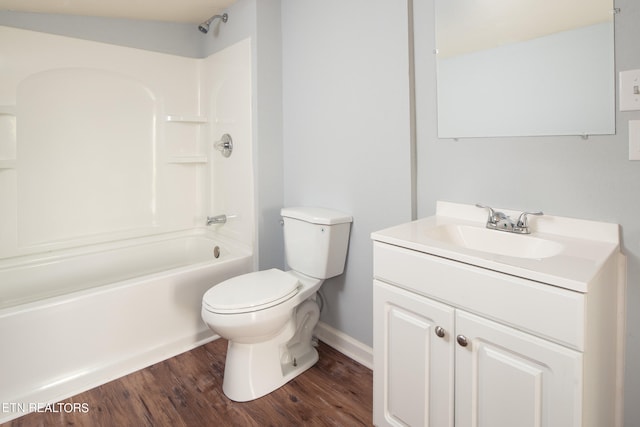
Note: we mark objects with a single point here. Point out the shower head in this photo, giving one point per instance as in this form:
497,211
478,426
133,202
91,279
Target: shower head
204,27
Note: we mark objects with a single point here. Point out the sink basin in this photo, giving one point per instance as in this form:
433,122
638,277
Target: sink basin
566,252
494,242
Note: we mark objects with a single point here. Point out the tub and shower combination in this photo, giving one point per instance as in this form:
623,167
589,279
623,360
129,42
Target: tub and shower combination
108,170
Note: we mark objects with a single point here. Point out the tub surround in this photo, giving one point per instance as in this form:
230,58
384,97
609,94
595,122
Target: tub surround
107,175
101,142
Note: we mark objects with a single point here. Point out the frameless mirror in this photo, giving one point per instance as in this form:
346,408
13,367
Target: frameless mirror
525,67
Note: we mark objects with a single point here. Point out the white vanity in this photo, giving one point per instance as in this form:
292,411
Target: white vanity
486,328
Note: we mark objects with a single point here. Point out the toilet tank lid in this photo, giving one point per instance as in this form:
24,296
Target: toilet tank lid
316,215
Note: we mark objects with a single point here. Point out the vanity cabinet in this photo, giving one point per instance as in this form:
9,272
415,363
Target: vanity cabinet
413,359
457,345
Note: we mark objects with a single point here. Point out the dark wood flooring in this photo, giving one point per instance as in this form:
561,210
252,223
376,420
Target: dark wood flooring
186,390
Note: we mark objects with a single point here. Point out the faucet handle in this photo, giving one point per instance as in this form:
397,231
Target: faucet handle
491,211
523,219
492,218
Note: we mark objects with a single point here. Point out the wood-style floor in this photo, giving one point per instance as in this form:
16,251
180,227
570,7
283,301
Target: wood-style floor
186,390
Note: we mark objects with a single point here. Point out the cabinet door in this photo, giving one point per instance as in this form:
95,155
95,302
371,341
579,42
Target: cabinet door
413,359
507,378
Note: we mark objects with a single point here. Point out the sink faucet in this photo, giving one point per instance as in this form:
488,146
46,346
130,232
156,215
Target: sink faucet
500,221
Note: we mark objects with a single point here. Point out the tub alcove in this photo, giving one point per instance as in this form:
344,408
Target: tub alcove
107,175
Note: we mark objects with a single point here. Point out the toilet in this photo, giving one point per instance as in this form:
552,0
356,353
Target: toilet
268,316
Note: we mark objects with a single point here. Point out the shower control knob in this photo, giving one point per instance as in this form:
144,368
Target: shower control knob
225,145
462,340
439,330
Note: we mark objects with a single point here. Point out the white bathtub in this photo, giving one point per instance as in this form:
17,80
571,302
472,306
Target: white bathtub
72,320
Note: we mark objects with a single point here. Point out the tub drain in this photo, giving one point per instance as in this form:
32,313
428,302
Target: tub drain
216,252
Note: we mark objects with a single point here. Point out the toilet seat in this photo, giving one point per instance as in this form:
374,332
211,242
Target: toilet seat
251,292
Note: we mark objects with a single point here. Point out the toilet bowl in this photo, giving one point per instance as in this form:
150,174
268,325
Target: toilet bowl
268,317
268,346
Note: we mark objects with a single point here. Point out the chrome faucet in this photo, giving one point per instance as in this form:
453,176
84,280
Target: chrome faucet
502,222
218,219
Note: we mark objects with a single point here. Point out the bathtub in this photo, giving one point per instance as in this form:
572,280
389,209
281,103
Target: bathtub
71,320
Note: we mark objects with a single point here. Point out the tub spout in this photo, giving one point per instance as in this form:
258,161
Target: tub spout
218,219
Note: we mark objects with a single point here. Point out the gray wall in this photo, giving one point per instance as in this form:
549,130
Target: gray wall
565,176
347,131
268,144
165,37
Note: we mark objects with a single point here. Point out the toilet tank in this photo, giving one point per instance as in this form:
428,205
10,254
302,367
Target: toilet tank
316,240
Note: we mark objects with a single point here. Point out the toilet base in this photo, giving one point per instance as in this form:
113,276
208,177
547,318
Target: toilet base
253,370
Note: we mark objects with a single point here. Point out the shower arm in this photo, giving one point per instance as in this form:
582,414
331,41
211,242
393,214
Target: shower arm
204,27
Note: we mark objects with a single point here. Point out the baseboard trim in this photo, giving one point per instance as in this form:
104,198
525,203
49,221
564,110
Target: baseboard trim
346,345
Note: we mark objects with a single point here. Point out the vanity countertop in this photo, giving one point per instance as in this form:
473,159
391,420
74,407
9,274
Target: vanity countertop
581,248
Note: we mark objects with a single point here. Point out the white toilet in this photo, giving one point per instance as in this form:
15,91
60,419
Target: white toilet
268,316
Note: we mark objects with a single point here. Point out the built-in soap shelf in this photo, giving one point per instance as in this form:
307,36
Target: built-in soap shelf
195,159
7,150
172,118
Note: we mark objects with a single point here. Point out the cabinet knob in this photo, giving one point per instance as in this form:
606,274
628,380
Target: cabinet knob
439,331
462,340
